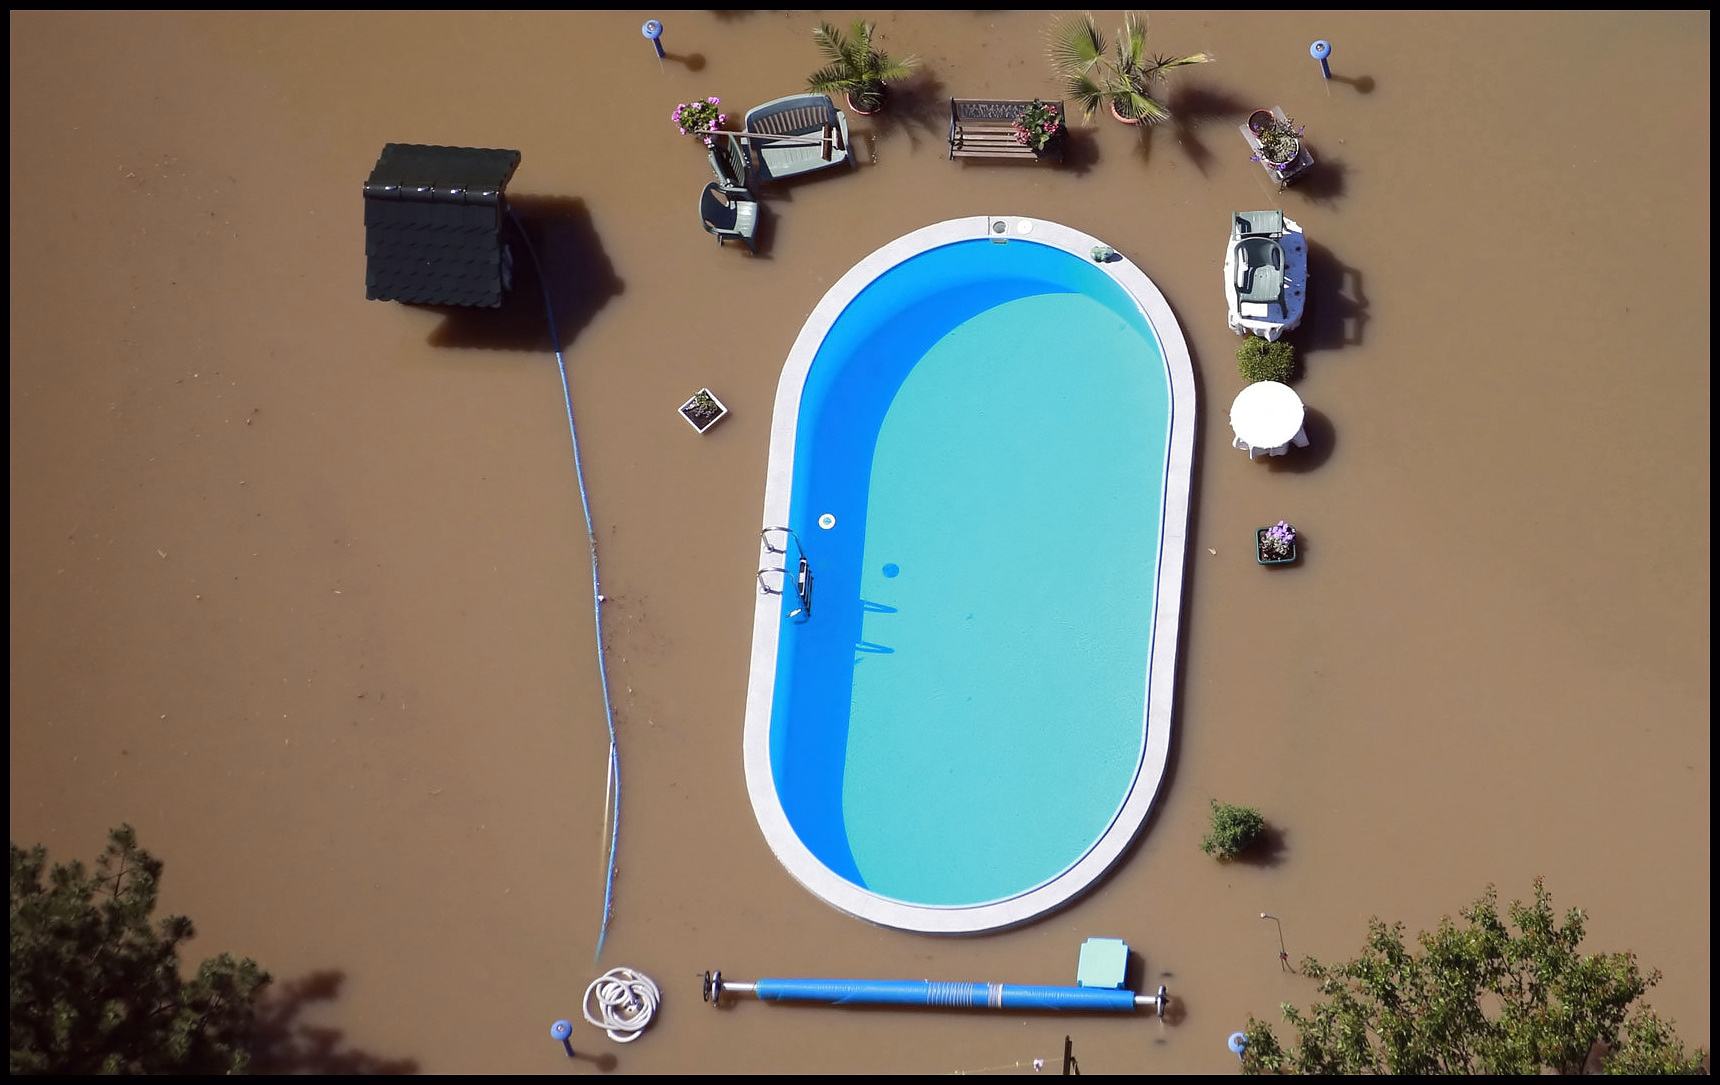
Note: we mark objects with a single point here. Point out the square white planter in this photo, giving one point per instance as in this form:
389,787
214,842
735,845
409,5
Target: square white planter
689,413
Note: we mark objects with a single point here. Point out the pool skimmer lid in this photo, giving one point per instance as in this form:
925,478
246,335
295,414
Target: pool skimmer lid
827,521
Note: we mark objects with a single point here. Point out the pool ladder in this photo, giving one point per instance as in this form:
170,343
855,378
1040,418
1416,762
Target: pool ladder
802,576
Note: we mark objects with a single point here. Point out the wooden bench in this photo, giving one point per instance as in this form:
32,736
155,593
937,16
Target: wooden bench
985,128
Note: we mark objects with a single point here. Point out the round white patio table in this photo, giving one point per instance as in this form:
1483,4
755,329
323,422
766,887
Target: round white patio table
1267,418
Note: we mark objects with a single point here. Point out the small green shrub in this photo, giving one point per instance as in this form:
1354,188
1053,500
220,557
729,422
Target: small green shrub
1259,360
1234,828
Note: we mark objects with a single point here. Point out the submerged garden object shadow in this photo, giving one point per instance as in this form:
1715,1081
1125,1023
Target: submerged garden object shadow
1080,150
286,1044
1266,851
1363,84
1325,181
1322,439
1193,106
581,282
917,108
1337,312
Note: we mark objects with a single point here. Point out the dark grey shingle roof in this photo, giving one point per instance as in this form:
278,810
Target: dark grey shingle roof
432,224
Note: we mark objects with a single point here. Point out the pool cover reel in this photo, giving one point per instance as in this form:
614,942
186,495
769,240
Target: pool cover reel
992,996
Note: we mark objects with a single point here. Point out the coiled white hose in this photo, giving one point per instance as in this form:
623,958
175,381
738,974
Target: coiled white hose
625,1001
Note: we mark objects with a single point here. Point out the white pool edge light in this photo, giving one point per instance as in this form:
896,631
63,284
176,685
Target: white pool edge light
800,862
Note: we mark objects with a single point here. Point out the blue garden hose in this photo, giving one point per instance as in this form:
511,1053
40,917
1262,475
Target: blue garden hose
612,814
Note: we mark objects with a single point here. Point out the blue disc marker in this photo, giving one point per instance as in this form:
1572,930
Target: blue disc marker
892,570
653,29
1322,50
561,1030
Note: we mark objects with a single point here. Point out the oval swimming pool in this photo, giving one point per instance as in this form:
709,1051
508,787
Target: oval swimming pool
981,450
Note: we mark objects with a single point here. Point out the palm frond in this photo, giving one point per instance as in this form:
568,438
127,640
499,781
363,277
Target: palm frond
830,42
859,52
1075,45
1132,42
1159,64
830,79
886,70
1147,108
1085,92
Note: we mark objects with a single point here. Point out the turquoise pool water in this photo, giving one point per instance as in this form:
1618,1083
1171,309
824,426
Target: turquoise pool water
963,714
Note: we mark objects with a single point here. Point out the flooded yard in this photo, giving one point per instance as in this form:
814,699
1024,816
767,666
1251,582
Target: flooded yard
300,583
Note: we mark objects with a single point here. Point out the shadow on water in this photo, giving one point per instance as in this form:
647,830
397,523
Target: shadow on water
1337,312
604,1063
1324,183
1176,1012
581,281
918,108
1139,978
1193,107
1363,84
1268,848
286,1044
1322,439
1080,150
1143,134
764,234
782,188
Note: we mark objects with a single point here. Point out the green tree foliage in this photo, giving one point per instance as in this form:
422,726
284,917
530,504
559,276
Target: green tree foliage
1234,829
1649,1046
1258,360
96,987
1477,999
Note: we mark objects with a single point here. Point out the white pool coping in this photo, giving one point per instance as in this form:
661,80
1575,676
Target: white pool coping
806,867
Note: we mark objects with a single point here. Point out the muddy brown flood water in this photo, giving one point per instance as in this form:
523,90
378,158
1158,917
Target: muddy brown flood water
299,581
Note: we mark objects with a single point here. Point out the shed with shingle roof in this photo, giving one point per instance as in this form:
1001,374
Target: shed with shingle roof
433,225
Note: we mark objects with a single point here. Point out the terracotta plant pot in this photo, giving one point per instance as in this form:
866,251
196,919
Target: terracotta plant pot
1126,120
855,106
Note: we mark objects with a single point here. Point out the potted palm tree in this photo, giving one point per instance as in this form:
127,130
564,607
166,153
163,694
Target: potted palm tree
1125,79
856,67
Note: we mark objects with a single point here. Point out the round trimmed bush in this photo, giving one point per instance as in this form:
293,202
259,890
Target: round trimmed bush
1259,360
1234,829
